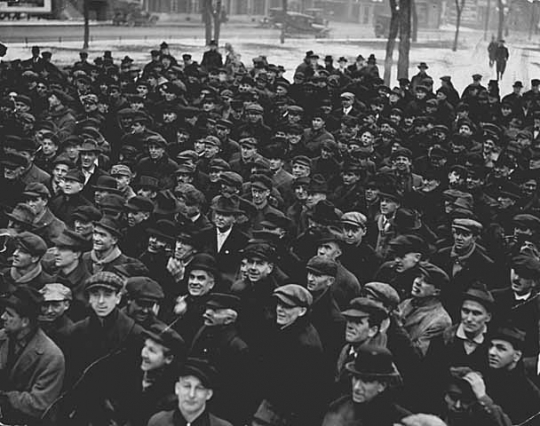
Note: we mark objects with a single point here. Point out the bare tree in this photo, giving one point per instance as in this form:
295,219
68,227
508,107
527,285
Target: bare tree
460,4
86,14
207,19
404,38
284,23
500,29
217,21
391,42
414,21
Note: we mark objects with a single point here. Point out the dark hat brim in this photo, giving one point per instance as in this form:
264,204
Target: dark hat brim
352,370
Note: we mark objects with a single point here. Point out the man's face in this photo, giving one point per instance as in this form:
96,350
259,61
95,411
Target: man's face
317,283
462,239
154,356
52,310
22,259
350,178
200,282
215,316
48,147
13,173
388,206
474,317
371,193
358,330
353,234
330,250
406,261
103,300
275,164
286,314
502,355
300,170
192,395
317,123
223,221
258,268
64,256
458,402
313,198
83,228
402,163
155,151
365,391
422,289
520,285
247,152
142,310
37,204
259,196
88,159
156,244
183,250
54,101
300,192
136,217
13,322
103,240
72,187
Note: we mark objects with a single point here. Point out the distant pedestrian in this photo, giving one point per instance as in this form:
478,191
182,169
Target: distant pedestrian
501,57
492,49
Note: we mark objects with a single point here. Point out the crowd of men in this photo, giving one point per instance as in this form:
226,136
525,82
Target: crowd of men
208,243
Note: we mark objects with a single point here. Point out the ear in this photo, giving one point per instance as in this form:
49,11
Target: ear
169,359
177,388
331,281
373,331
271,266
303,311
209,394
517,355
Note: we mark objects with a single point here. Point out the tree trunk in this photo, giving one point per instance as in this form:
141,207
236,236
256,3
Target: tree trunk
404,38
414,21
500,29
217,21
207,18
284,24
459,11
86,13
391,42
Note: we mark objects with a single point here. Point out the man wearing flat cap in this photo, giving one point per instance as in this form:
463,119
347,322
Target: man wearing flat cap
144,296
53,318
71,197
218,341
162,355
372,374
423,315
37,196
519,305
139,212
31,365
60,114
464,263
26,264
325,313
157,162
194,389
104,356
506,380
293,364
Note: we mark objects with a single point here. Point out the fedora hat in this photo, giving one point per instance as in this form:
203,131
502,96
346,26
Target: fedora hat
373,362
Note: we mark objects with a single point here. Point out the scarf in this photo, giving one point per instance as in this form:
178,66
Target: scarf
459,260
26,278
99,264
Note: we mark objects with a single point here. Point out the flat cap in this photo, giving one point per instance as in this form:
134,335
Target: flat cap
469,225
31,243
72,240
86,214
55,292
144,288
408,244
261,181
321,265
434,275
294,295
36,189
383,293
14,159
201,369
75,175
510,334
354,219
261,250
360,306
121,170
302,159
231,178
526,220
526,266
223,301
166,336
140,204
25,300
104,279
478,292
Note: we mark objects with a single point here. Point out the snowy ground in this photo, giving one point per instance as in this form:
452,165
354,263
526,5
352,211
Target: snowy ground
471,58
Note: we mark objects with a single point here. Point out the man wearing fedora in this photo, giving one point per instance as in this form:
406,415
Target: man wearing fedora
224,240
197,382
105,185
31,365
105,253
373,374
219,342
419,78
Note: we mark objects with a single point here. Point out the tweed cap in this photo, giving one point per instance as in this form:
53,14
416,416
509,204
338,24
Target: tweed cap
320,265
294,295
31,243
108,280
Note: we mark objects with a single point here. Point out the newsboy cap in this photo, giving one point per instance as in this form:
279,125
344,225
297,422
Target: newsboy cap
320,265
144,288
31,243
166,336
25,300
104,279
294,295
383,293
55,292
360,306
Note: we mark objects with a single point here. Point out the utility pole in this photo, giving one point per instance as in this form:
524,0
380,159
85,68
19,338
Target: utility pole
486,23
86,13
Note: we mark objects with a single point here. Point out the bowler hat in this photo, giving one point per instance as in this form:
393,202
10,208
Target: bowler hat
294,295
107,183
204,262
104,279
318,185
373,362
324,213
164,229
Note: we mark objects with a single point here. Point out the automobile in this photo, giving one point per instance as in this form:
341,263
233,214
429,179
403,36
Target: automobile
297,24
132,15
